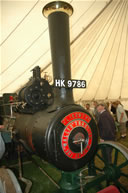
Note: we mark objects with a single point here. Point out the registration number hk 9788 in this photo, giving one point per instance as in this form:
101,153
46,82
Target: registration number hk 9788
62,83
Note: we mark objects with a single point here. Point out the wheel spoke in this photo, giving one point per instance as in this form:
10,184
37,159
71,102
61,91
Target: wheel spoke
99,169
121,186
125,175
104,153
116,157
100,157
115,167
123,164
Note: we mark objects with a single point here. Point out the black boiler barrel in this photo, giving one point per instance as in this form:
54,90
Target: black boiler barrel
58,19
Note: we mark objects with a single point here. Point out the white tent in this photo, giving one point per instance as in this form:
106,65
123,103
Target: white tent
99,46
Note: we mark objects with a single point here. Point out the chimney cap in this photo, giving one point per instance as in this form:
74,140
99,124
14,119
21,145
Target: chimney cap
57,6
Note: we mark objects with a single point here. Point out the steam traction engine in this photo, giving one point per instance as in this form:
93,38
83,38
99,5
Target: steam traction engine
51,125
60,131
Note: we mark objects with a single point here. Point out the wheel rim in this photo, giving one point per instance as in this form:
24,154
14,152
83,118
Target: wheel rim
115,172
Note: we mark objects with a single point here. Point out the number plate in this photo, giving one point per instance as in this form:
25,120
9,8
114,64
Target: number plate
62,83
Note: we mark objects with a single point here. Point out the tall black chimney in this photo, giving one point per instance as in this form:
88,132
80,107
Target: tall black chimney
58,13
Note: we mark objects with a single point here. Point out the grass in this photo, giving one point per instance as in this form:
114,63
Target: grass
40,182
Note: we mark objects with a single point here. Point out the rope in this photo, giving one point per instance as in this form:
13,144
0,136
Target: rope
96,28
104,48
41,34
48,50
109,56
19,23
125,64
115,62
24,52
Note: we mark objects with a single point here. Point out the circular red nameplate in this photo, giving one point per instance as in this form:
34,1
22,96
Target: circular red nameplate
74,121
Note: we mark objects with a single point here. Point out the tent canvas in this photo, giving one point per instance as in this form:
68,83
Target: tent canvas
99,46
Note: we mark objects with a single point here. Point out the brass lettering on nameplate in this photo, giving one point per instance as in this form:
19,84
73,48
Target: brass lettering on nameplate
62,83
